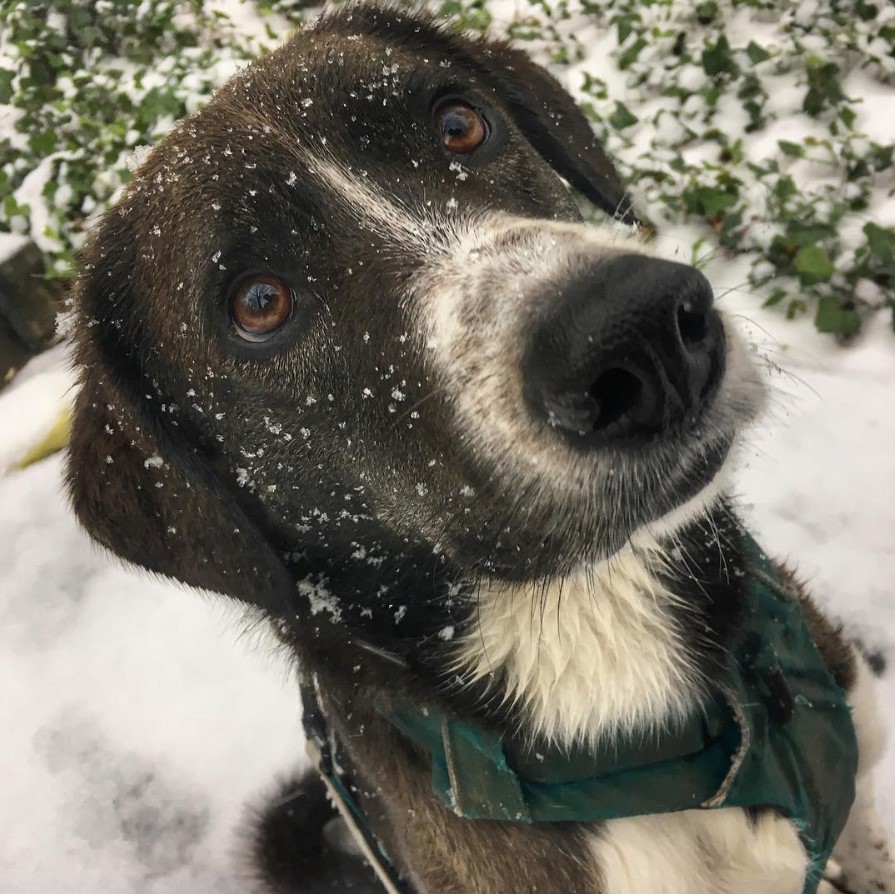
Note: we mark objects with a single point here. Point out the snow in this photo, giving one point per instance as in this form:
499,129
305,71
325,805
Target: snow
138,719
11,244
30,405
30,194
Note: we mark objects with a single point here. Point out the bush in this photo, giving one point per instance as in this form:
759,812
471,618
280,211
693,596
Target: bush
751,119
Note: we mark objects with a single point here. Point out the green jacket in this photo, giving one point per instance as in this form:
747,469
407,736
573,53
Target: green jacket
777,734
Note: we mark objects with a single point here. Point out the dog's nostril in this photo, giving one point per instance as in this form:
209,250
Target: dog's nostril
692,323
616,393
627,353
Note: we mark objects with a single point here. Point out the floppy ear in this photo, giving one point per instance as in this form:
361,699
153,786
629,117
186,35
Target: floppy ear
141,483
540,107
554,125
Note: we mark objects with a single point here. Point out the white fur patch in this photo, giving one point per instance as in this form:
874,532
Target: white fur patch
587,657
865,714
723,851
698,851
374,208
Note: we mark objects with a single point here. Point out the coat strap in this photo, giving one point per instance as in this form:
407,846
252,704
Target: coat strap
322,750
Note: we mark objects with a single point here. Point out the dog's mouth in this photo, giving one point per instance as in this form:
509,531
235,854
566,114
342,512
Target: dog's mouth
699,468
653,494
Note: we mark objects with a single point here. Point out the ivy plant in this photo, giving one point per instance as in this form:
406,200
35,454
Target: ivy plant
747,119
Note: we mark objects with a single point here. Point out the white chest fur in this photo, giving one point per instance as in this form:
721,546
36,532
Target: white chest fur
699,851
587,656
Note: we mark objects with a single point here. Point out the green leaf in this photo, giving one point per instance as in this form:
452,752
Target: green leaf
594,86
882,155
42,144
793,150
756,53
732,153
711,95
560,55
729,233
718,59
708,200
775,297
6,77
622,117
809,232
629,56
159,104
823,86
706,11
750,88
626,24
813,265
881,241
831,316
11,208
785,188
866,11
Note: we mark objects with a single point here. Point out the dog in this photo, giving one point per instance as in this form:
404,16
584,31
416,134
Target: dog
350,356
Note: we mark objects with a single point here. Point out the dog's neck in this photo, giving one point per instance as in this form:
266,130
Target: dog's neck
585,657
629,646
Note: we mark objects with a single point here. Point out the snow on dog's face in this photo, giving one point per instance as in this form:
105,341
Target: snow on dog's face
349,321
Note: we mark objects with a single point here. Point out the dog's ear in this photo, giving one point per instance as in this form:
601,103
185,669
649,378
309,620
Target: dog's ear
555,126
541,108
139,482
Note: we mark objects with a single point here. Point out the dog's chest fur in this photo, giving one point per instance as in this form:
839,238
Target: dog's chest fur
724,851
586,657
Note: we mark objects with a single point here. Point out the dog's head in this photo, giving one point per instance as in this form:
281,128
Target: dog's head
347,333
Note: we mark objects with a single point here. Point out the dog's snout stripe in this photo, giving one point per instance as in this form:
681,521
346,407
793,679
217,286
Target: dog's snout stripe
376,209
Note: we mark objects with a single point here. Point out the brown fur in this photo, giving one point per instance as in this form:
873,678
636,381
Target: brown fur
461,855
837,652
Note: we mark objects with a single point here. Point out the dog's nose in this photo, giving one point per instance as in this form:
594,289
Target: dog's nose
626,352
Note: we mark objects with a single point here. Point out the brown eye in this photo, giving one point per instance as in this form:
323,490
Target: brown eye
461,128
261,305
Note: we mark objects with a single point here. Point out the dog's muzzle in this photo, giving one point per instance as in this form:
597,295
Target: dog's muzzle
629,351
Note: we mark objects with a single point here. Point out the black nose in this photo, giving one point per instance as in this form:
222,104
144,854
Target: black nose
628,351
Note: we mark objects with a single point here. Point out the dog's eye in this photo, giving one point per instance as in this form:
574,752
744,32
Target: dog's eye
260,306
461,128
